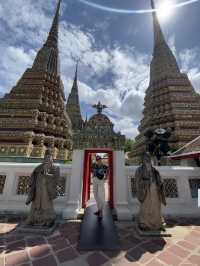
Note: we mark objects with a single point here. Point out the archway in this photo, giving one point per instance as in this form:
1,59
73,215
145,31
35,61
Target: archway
87,175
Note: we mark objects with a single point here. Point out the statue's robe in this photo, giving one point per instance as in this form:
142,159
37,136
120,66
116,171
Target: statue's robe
150,193
42,192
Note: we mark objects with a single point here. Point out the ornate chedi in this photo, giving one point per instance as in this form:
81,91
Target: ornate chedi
32,115
170,101
98,133
73,105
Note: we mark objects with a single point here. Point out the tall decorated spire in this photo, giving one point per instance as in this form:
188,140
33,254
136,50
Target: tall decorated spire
74,97
158,35
75,83
52,40
35,107
170,101
164,62
47,58
73,104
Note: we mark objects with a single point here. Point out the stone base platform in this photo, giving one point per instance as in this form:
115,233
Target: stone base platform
154,233
37,230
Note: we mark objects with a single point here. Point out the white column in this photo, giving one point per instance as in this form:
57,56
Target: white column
120,187
9,187
75,186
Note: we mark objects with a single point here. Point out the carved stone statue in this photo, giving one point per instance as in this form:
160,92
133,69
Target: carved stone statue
42,192
157,142
150,193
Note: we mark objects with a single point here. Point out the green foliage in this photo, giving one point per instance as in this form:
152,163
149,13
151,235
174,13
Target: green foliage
67,162
129,145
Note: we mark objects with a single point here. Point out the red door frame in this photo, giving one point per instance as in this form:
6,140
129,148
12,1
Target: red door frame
87,172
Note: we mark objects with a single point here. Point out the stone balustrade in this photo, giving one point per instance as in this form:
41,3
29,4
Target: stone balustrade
181,188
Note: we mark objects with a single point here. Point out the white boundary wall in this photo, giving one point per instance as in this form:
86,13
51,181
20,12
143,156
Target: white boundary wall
182,206
125,204
10,202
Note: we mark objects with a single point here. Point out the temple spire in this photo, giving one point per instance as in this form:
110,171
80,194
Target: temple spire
75,83
52,39
164,63
158,34
170,101
73,104
47,58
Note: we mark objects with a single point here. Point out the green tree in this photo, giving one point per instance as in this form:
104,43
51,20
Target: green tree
129,145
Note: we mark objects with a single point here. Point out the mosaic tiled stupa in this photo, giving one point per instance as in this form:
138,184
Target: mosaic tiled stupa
73,105
170,101
32,115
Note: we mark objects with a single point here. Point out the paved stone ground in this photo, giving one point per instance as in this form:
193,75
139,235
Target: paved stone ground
183,248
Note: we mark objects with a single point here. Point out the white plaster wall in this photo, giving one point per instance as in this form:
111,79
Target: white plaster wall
120,184
126,206
13,203
184,205
73,204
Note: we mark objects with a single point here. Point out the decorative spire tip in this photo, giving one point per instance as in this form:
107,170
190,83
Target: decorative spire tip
152,4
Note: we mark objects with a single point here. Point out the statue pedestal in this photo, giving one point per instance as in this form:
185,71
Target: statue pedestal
36,229
72,211
123,212
153,233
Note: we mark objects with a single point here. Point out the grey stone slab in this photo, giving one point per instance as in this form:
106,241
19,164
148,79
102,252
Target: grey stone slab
98,234
153,233
36,230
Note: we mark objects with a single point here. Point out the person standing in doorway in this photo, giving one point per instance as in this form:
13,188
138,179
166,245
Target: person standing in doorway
100,174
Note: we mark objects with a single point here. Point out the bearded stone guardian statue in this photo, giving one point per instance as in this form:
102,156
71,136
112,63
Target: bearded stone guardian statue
42,192
150,193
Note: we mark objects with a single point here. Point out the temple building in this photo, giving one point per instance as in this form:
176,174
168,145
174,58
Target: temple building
73,105
98,132
189,154
170,100
33,115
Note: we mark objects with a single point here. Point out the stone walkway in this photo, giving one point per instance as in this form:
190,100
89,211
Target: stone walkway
183,248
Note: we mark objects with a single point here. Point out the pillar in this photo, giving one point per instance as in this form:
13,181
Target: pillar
75,186
120,187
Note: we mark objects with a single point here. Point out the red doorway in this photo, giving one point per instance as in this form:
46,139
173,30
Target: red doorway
87,175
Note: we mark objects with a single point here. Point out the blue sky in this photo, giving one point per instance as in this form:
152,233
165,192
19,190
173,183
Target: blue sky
115,50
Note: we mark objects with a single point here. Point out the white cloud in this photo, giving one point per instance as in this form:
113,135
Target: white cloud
14,61
171,42
26,19
132,107
190,64
125,126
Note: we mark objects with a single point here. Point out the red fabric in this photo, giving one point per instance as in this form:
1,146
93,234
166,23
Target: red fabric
89,174
111,179
86,179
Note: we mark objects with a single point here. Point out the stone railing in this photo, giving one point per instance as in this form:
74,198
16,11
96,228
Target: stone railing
181,188
14,183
